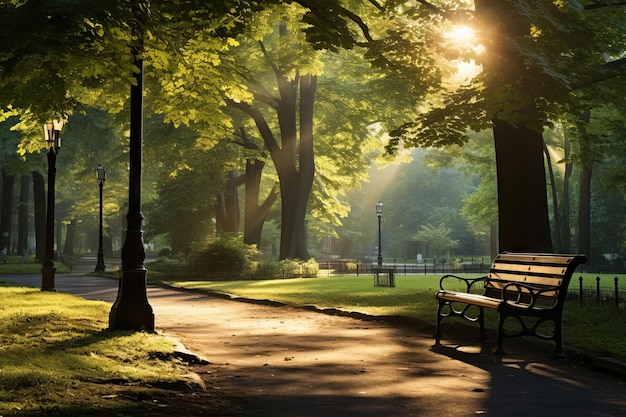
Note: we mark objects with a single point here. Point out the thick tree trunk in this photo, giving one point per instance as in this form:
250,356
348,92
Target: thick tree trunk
39,203
293,158
6,219
522,194
22,215
255,215
296,183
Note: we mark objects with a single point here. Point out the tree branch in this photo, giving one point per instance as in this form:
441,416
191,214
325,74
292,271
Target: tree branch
259,120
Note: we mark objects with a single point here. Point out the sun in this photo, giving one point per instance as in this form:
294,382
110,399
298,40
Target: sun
462,35
464,40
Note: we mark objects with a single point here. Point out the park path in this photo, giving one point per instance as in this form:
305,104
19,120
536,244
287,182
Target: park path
285,361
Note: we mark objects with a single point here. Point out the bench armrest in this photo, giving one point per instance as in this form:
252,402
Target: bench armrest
527,295
469,282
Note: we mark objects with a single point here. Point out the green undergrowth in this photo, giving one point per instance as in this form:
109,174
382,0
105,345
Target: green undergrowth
597,329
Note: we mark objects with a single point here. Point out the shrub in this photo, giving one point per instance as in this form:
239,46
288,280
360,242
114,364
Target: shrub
227,258
296,268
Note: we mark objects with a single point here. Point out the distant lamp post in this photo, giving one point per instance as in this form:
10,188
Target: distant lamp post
101,175
52,136
379,214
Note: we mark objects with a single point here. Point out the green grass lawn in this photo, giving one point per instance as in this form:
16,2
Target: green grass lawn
16,265
57,356
598,329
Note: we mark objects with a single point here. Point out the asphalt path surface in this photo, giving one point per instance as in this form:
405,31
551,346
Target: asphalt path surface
298,362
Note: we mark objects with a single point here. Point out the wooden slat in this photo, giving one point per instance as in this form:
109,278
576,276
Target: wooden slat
532,269
474,299
527,279
536,258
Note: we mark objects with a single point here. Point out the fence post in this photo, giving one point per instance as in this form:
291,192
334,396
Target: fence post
598,289
616,280
580,290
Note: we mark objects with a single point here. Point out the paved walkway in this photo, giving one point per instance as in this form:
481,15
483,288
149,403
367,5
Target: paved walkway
299,363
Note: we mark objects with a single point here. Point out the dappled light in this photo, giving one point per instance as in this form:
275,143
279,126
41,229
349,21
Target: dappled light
286,361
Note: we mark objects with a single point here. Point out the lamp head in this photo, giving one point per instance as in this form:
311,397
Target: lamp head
101,174
52,133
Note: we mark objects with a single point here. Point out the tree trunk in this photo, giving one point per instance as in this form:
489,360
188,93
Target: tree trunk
231,203
584,216
493,240
255,215
39,203
295,185
6,218
565,205
522,193
294,160
555,203
22,216
70,238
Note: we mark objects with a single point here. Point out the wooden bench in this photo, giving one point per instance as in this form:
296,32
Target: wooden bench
529,287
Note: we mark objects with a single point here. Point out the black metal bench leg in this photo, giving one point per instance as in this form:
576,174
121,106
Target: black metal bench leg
557,338
438,327
481,322
500,348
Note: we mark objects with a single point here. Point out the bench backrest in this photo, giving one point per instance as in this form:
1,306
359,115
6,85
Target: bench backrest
550,272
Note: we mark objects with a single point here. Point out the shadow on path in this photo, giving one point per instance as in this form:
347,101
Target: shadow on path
295,362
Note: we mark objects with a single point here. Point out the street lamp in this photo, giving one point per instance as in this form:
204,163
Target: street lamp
132,310
101,175
52,136
379,213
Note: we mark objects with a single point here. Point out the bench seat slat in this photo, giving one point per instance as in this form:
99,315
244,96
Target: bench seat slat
558,270
536,258
497,278
474,299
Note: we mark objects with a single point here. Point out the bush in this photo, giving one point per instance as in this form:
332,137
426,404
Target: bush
296,268
227,258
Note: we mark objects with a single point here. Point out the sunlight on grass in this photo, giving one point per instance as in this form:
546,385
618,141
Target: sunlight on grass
594,329
52,341
412,296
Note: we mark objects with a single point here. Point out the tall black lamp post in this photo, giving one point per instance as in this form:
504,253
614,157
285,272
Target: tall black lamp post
52,135
101,175
379,214
132,310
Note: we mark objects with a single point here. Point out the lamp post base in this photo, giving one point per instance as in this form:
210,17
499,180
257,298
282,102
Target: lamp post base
131,310
47,278
100,267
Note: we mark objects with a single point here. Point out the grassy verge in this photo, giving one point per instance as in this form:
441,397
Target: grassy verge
57,358
598,329
15,265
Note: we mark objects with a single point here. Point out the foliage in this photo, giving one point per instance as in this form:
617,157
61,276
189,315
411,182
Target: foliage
223,258
437,238
290,268
414,193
